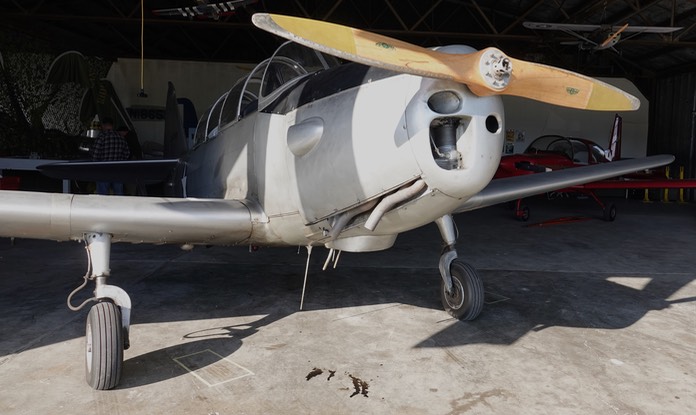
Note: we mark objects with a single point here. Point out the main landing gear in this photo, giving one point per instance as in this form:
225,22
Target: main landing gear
108,321
521,212
461,289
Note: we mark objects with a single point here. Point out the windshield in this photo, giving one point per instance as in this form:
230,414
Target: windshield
292,61
289,63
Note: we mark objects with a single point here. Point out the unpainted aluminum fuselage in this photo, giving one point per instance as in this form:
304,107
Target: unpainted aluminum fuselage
318,158
347,157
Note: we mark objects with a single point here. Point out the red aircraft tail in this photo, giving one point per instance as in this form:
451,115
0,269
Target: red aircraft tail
613,152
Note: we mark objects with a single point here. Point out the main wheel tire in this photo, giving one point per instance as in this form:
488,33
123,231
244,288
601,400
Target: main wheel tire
522,214
103,346
609,213
465,302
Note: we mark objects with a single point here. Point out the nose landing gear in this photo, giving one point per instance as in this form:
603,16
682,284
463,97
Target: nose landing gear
461,289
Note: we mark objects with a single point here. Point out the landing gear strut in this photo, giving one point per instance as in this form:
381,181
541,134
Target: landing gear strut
461,289
108,321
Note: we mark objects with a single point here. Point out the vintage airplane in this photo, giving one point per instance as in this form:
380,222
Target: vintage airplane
599,37
205,10
556,152
307,152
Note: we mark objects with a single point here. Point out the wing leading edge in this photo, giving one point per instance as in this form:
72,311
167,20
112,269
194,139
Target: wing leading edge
63,217
517,187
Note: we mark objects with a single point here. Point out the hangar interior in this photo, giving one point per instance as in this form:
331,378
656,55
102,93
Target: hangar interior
135,48
583,314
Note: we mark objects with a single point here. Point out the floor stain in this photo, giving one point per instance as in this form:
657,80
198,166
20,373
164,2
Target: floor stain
360,387
314,372
470,400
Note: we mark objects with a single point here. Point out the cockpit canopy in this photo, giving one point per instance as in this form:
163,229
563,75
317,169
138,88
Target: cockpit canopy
289,63
578,150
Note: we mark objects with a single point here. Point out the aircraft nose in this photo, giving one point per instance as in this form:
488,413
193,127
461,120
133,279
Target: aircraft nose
457,136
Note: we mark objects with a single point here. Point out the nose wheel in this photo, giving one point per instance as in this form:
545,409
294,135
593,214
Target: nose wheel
464,300
461,289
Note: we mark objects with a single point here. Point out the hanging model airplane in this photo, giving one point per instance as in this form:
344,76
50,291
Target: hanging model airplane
205,10
306,152
599,37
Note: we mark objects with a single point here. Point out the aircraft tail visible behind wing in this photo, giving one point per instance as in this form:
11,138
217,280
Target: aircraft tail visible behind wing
175,144
145,172
613,151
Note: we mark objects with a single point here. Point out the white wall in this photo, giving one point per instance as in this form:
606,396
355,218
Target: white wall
200,82
534,119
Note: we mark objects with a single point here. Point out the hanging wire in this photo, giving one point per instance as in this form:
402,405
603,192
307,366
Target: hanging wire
142,49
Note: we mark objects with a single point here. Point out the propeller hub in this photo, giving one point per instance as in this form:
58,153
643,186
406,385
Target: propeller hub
496,69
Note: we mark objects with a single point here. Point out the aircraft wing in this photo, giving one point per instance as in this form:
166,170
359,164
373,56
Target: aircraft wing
156,220
517,187
651,29
562,26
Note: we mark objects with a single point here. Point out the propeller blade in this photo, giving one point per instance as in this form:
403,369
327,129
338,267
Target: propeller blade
486,72
565,88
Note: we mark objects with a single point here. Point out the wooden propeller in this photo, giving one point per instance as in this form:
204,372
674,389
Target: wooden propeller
486,72
609,41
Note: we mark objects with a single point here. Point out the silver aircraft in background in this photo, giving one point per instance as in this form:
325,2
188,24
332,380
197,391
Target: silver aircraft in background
309,152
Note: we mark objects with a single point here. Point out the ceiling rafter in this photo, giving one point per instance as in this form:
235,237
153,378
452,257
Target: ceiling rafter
522,17
396,14
590,9
415,10
638,10
302,9
331,10
562,10
88,26
425,15
685,17
491,26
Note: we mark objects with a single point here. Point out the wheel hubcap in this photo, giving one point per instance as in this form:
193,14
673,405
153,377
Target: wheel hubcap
455,298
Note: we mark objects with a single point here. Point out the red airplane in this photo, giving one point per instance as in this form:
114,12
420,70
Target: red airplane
554,152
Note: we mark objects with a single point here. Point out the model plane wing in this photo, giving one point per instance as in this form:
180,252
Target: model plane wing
566,27
204,9
156,220
517,187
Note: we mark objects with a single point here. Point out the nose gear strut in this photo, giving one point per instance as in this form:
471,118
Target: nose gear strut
461,289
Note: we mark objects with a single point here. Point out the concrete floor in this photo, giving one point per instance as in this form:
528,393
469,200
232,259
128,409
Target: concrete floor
585,317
